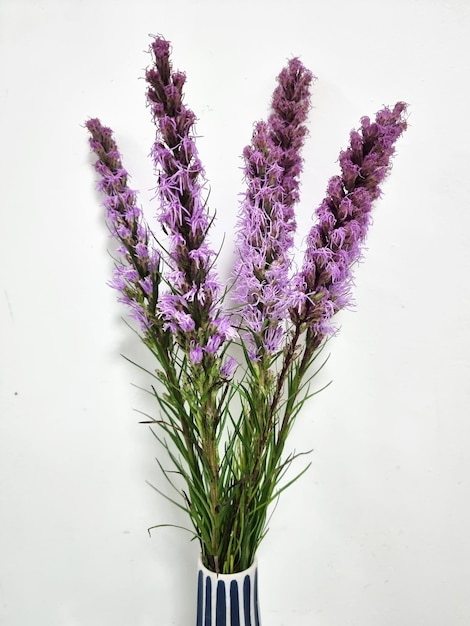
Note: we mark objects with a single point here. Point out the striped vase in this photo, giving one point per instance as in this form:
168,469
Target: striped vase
227,599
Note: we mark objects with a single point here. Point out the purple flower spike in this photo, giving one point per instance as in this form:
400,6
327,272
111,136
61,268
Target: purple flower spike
267,222
183,215
334,243
290,107
138,277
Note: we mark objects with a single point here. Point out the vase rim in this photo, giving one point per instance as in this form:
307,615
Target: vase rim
246,572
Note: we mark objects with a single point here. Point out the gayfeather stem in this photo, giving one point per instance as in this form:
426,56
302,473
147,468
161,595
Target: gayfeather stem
191,309
264,244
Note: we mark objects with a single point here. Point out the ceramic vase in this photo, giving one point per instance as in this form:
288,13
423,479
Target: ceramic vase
227,599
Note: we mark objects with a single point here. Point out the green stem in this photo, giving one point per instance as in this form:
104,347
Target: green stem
288,359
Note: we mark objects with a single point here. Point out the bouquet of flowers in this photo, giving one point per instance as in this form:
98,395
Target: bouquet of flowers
233,365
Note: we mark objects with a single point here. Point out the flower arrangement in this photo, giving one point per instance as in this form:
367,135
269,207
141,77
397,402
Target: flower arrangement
234,365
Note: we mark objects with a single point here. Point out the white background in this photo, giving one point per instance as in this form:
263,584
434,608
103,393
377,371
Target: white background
376,534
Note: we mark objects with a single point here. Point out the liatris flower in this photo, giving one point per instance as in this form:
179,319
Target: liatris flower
226,439
191,308
334,243
138,278
267,222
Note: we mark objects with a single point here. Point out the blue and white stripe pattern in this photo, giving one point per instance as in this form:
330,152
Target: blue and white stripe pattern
228,599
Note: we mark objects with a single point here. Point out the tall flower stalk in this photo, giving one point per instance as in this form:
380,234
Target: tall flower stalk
191,306
225,430
262,271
